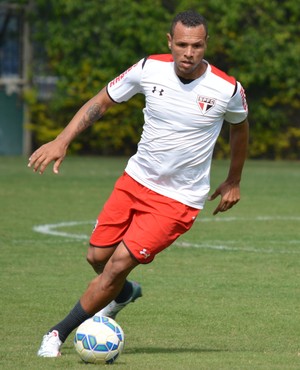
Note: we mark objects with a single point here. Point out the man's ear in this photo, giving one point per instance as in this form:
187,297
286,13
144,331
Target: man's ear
169,37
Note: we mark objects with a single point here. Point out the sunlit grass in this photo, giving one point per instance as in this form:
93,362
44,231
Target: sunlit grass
225,296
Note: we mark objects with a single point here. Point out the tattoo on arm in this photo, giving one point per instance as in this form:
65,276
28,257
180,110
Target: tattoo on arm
91,115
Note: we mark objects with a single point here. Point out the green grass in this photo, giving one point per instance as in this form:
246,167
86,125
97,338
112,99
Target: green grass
225,296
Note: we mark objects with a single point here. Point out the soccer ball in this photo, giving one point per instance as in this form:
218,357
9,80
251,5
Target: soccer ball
99,340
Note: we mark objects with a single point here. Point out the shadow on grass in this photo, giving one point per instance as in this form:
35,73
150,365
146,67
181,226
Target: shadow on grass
151,350
154,350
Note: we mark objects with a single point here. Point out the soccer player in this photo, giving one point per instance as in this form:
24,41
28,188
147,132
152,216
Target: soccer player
166,183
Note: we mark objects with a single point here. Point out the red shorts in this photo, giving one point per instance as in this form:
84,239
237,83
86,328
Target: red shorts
144,220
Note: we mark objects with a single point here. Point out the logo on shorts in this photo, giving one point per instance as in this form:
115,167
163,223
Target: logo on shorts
145,253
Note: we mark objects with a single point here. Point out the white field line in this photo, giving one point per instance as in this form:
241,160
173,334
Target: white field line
221,247
53,229
258,218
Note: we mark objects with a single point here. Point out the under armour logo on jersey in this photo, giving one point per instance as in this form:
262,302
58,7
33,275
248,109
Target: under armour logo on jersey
205,104
145,253
155,90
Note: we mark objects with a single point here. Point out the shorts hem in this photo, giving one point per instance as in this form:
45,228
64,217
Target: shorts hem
105,246
133,256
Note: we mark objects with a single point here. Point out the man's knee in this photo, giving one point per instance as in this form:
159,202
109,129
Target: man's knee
121,263
97,265
98,257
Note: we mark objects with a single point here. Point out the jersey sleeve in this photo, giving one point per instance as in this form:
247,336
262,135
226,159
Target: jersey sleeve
237,109
127,84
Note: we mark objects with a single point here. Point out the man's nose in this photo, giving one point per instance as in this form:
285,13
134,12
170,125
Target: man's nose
189,51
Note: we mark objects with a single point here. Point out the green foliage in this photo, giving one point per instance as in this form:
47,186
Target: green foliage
258,42
87,43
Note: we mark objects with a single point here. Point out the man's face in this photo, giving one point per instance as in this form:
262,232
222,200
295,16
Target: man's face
188,46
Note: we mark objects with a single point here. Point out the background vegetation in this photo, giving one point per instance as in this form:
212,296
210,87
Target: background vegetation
86,43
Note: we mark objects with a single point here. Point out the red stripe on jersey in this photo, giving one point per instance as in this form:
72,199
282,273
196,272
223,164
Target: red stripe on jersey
162,57
223,75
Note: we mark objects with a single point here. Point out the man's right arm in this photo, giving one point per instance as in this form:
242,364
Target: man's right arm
56,150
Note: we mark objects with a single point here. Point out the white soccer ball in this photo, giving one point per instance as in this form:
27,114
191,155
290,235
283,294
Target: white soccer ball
99,340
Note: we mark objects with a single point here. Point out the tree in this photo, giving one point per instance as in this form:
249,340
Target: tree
87,43
259,43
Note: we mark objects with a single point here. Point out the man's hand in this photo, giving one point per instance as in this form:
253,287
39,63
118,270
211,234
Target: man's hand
52,151
230,195
230,188
56,150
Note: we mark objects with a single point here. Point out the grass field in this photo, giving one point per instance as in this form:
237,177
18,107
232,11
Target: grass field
225,296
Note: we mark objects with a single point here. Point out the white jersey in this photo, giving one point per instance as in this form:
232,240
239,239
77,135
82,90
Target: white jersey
182,123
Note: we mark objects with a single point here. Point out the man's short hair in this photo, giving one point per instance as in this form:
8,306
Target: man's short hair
189,18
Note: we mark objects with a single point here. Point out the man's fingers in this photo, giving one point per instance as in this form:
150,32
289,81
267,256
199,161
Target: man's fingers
41,165
220,208
43,156
224,206
215,211
214,195
230,195
32,159
57,165
38,162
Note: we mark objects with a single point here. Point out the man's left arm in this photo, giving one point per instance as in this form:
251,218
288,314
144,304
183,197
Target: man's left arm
230,188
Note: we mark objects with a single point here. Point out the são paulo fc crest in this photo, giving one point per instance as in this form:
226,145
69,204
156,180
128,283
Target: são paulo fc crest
205,104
